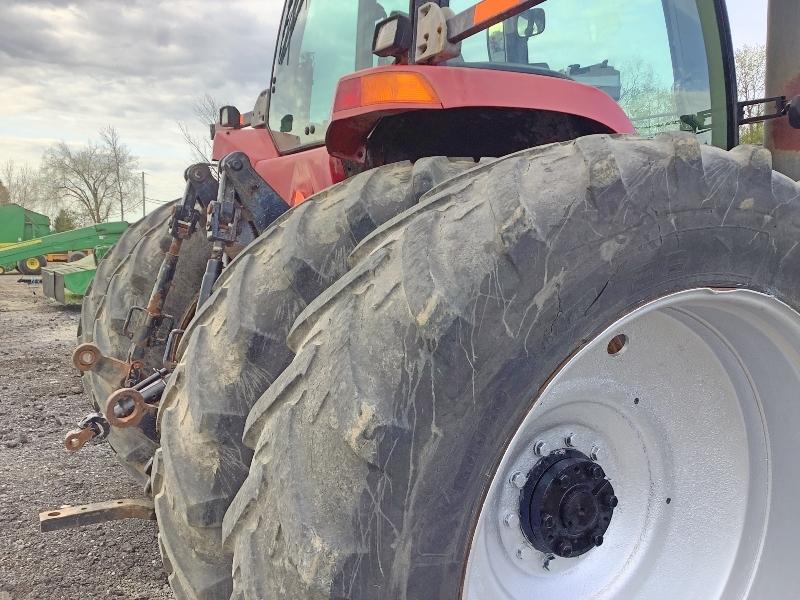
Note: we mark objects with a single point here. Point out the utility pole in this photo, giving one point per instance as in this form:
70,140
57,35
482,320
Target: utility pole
144,208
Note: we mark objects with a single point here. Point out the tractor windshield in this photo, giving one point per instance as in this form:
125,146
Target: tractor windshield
660,59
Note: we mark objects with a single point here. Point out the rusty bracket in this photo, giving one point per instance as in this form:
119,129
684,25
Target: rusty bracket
77,439
145,327
68,517
131,404
94,428
88,357
170,359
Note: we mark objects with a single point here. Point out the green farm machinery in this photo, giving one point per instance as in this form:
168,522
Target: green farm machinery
18,224
30,255
68,282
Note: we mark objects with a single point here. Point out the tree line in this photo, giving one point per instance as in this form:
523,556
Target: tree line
751,76
81,185
77,185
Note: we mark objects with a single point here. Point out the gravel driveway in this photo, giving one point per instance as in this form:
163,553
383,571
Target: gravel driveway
41,398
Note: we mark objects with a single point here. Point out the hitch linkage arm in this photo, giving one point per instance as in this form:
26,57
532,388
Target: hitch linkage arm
244,198
148,325
238,208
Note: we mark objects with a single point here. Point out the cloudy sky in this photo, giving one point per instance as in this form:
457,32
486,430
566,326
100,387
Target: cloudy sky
70,67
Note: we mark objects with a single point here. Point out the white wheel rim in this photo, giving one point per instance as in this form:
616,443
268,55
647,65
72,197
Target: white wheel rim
716,375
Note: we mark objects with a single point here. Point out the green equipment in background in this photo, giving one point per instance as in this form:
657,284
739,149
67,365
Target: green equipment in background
19,224
67,283
31,255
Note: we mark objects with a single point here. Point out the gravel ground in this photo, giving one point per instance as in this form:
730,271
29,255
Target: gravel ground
41,398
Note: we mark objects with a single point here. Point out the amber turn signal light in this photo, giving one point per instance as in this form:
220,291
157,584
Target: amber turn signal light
385,87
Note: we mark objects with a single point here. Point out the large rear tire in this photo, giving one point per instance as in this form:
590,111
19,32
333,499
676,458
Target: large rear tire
376,447
235,349
125,278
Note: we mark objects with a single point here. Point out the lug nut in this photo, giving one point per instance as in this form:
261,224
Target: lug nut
597,540
511,520
594,453
569,439
613,501
518,480
546,560
565,549
539,448
548,521
597,472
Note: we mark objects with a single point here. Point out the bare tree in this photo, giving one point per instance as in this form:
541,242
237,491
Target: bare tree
5,197
650,106
123,165
24,185
82,176
751,72
195,134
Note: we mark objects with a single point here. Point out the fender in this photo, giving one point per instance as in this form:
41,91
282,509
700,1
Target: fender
487,88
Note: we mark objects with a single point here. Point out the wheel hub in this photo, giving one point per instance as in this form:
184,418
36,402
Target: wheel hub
566,504
718,366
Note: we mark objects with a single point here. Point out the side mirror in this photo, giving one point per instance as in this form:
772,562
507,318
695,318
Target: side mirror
531,23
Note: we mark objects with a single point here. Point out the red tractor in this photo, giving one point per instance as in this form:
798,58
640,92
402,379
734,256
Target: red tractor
488,307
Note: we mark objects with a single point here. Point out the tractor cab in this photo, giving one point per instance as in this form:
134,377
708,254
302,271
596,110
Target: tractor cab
665,64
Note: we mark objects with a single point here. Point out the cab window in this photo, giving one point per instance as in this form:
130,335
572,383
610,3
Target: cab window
319,42
659,59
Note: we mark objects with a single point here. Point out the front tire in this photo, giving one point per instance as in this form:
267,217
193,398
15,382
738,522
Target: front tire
375,448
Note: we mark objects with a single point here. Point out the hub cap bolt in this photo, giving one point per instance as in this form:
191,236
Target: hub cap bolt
518,480
510,520
548,558
539,448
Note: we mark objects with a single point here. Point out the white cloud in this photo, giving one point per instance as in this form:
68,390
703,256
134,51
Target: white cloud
68,68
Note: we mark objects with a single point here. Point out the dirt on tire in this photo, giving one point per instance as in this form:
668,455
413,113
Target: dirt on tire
413,370
243,327
41,398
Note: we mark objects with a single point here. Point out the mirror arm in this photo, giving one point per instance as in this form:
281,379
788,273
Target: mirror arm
480,16
783,107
